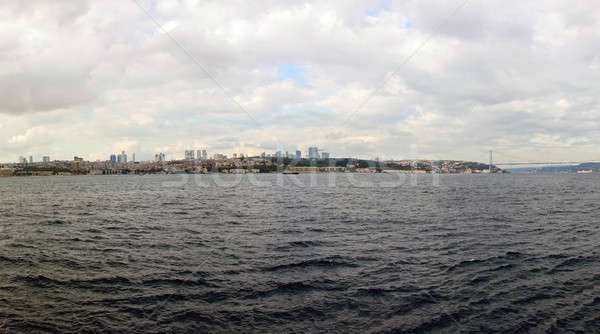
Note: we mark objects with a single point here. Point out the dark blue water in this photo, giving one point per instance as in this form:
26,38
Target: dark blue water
300,253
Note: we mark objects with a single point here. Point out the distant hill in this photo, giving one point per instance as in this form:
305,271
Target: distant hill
593,166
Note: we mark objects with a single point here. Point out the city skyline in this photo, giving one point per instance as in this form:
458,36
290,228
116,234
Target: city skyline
190,154
362,78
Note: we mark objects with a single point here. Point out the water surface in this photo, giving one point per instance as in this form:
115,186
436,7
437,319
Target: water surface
300,253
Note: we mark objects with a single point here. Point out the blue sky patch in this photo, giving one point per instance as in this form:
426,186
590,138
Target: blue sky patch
291,72
380,7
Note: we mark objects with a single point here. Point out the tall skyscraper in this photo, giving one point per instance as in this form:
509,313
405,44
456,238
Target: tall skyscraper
298,154
313,152
31,159
324,155
113,158
122,158
199,154
45,159
189,154
159,157
204,155
133,158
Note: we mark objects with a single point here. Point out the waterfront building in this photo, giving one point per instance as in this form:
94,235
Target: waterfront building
298,154
199,154
113,158
45,159
189,154
31,159
313,169
324,155
6,172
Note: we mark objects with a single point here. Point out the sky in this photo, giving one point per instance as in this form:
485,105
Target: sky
388,79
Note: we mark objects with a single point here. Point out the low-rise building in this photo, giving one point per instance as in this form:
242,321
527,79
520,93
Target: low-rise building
6,172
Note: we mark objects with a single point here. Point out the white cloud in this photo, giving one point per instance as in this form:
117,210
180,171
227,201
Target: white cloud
90,78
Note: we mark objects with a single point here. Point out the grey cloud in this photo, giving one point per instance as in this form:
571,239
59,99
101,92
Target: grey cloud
493,75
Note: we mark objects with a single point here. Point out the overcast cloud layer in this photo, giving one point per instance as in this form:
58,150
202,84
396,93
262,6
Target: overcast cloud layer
91,78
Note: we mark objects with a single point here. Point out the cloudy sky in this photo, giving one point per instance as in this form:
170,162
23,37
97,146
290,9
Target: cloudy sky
389,79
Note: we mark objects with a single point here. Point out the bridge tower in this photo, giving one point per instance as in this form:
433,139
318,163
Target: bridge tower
491,160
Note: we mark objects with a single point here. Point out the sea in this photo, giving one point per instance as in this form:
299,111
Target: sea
309,253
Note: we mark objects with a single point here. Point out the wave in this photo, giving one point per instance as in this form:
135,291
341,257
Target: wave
327,262
15,260
54,222
301,244
177,282
41,280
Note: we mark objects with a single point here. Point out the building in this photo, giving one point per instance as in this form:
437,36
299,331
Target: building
31,159
189,154
316,169
278,154
113,158
22,160
6,172
133,158
45,159
298,154
313,152
159,157
199,154
324,155
204,155
122,158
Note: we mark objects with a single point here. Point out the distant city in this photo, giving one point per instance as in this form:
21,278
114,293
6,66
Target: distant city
199,161
122,158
